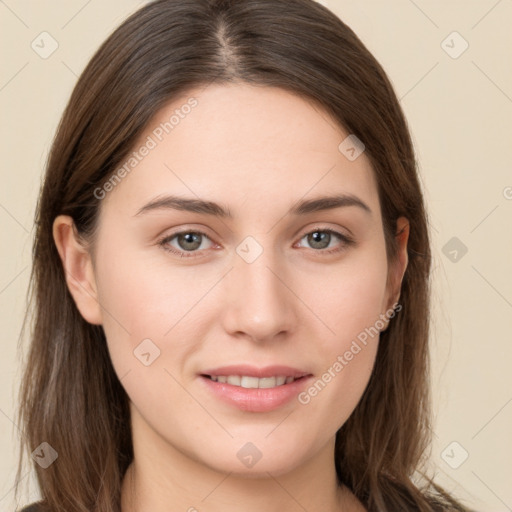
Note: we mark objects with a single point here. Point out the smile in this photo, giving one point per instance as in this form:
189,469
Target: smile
248,382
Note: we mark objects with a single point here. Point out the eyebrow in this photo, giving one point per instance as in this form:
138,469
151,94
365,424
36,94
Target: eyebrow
211,208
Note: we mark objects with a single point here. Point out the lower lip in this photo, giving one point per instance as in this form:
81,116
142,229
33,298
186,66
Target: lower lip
256,399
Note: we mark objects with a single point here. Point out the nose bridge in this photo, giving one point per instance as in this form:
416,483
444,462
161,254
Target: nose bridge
259,303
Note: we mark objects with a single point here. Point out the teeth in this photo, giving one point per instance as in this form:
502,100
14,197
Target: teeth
247,382
234,380
266,382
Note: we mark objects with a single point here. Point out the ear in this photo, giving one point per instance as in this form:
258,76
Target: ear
399,265
78,269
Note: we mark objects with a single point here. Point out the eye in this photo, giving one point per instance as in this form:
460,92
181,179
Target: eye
320,240
188,242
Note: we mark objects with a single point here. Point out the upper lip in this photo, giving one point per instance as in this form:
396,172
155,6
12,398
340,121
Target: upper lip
253,371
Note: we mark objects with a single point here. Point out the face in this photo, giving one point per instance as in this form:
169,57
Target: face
275,288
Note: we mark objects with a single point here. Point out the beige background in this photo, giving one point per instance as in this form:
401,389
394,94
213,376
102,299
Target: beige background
460,114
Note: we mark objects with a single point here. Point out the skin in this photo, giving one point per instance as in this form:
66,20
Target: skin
257,151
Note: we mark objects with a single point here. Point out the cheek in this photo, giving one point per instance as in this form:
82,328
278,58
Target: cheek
136,306
150,308
351,306
352,297
139,297
145,323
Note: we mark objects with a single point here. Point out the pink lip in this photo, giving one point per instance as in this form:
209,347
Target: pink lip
256,400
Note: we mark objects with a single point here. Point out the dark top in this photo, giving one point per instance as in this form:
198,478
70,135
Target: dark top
33,507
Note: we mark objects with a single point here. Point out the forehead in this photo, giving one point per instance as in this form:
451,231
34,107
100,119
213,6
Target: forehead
242,145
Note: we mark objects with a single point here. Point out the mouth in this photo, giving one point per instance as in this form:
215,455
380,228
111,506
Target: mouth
249,382
254,389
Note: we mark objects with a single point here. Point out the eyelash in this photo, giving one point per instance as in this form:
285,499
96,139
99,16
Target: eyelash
346,242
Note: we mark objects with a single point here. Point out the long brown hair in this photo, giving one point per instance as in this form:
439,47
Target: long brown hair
70,396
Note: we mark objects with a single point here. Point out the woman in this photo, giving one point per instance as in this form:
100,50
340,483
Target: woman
230,214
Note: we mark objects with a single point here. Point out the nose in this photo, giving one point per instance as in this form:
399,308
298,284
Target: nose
259,300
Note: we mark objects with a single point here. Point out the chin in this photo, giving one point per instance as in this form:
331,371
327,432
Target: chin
247,462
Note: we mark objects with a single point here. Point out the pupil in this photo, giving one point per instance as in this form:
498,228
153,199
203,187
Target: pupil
317,239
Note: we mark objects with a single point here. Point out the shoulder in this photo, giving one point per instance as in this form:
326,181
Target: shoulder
33,507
